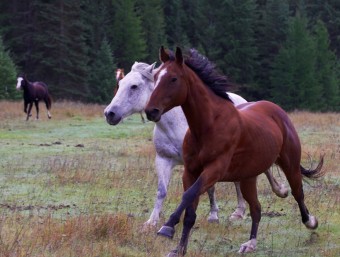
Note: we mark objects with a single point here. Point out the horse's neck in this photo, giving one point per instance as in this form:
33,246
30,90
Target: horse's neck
202,107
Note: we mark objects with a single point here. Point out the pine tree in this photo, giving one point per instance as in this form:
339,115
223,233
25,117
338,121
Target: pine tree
326,70
128,42
236,40
271,31
102,81
293,79
329,12
7,75
153,26
175,19
61,57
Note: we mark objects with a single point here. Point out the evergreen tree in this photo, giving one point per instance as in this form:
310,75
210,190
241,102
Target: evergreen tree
97,18
175,19
202,21
7,75
329,12
102,81
326,70
153,26
61,57
128,42
271,30
236,50
293,78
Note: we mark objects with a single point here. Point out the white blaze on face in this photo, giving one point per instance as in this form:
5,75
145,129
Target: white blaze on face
19,82
161,74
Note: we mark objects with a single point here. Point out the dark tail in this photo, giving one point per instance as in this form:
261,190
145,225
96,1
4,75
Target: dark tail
314,173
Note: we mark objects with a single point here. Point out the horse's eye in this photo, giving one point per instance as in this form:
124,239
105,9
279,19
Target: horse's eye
173,79
134,87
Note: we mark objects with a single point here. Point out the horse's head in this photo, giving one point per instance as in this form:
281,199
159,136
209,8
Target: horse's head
119,74
133,93
169,85
21,82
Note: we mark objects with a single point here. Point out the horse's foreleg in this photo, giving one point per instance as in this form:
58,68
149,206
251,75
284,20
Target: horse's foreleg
249,192
193,187
25,106
164,168
279,189
36,103
240,210
213,215
188,223
29,111
189,196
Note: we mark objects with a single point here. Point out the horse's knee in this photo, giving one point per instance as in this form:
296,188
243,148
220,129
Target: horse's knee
190,217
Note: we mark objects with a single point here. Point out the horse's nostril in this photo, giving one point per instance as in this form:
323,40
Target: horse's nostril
109,114
152,114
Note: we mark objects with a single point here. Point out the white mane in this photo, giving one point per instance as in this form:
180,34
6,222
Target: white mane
142,68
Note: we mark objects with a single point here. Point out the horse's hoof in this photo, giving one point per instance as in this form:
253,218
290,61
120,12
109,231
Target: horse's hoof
148,226
283,191
236,216
173,253
166,231
312,223
248,247
213,218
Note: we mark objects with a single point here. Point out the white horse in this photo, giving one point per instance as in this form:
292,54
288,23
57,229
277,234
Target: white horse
132,96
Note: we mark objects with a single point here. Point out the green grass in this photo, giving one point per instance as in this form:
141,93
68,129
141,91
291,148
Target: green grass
75,186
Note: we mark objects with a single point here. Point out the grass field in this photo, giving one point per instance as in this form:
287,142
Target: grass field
75,186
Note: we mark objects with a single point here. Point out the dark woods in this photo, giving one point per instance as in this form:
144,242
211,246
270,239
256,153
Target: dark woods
284,51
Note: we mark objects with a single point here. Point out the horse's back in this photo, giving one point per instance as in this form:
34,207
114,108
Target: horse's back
40,90
271,118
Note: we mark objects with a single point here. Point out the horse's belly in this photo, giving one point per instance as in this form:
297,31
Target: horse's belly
244,166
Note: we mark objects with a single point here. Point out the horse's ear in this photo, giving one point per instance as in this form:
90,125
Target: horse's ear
179,56
150,68
163,55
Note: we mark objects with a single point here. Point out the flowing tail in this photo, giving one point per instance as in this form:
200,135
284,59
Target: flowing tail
314,173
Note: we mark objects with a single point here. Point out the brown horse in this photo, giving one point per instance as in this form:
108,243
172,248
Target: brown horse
224,143
33,93
120,75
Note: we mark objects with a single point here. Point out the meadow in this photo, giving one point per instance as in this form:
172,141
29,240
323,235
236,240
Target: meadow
75,186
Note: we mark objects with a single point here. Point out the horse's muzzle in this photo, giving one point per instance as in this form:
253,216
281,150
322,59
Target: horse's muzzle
112,118
153,114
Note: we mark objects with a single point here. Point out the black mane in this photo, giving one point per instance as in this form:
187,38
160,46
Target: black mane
207,72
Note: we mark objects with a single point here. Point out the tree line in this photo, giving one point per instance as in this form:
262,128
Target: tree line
280,50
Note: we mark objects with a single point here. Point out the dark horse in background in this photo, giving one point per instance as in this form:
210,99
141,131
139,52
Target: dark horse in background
33,93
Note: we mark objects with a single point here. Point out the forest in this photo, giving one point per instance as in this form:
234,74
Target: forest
285,51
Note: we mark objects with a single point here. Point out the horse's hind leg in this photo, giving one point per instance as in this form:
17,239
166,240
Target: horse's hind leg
142,117
36,103
294,178
238,214
279,189
213,214
48,109
249,192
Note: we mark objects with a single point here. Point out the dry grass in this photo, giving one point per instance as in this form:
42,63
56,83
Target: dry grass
60,110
